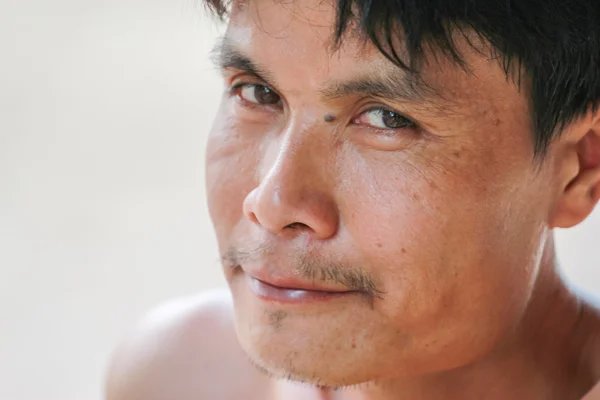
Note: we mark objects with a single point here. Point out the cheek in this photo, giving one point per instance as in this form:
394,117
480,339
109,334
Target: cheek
398,227
455,276
429,233
231,160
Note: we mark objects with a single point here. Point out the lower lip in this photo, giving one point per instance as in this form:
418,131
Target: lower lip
268,292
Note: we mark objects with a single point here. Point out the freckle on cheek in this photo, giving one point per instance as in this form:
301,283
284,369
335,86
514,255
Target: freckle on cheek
403,250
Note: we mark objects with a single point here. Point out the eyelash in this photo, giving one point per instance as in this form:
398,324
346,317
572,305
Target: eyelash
235,91
236,87
383,109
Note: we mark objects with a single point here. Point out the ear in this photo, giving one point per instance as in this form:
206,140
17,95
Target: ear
580,167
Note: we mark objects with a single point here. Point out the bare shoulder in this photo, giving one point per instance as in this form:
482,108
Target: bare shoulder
185,349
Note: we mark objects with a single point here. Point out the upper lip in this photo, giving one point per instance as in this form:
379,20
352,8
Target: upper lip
291,282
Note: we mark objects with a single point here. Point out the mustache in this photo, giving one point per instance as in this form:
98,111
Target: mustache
310,268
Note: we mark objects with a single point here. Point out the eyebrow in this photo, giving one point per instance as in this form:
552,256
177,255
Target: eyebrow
389,83
226,55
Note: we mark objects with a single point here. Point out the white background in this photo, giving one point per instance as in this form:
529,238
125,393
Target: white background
104,109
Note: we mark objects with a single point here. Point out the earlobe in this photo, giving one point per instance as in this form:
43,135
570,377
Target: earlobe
578,200
582,192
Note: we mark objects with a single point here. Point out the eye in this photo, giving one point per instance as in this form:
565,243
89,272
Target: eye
382,118
257,94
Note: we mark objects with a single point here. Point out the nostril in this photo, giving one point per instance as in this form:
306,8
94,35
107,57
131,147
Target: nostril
297,225
253,218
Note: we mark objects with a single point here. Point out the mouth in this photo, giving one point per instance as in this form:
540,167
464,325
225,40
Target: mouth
282,290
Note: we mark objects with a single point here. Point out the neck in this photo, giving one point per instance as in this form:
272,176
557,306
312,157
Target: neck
542,359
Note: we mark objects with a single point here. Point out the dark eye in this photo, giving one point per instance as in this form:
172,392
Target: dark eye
258,94
383,119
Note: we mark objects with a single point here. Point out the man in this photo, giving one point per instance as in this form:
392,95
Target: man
384,179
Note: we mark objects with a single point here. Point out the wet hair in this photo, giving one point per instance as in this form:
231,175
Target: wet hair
553,44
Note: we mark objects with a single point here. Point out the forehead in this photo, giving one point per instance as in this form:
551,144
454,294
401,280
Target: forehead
294,21
294,40
297,37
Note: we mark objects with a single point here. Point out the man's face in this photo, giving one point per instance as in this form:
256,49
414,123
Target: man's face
425,204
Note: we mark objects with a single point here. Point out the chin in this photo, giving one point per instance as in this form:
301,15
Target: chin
313,371
321,357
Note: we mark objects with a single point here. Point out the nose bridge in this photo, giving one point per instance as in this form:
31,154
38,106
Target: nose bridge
296,172
302,137
293,186
297,162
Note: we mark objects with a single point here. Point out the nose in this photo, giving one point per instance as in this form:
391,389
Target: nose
294,196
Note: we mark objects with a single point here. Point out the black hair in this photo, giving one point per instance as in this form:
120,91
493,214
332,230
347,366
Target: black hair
555,43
